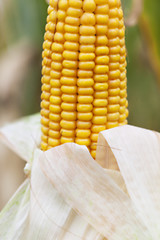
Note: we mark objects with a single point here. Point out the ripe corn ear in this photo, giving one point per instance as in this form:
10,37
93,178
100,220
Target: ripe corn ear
84,72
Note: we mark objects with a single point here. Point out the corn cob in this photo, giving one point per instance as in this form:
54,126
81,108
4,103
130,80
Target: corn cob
84,72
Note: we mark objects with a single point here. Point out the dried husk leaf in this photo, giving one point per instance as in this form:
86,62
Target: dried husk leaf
137,152
71,196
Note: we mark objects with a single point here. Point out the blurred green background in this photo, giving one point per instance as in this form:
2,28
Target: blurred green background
22,25
23,22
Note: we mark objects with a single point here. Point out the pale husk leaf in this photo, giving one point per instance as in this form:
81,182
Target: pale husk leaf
137,152
14,215
23,136
88,189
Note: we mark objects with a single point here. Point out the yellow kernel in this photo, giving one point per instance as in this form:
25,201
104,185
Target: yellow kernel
100,78
69,55
122,41
114,66
83,141
45,95
72,21
101,19
68,81
46,70
44,138
87,30
69,115
101,40
47,44
85,91
123,93
120,13
89,5
101,94
59,37
93,154
100,102
84,107
113,42
69,72
72,37
61,15
55,83
49,36
98,128
94,137
73,46
57,47
102,50
46,61
84,116
86,56
45,112
69,98
68,106
101,29
66,140
75,4
46,53
87,48
123,77
114,50
102,60
113,33
85,73
56,91
82,82
100,111
45,79
50,27
70,64
88,19
102,9
101,69
45,121
100,86
87,39
45,104
113,116
57,66
57,57
69,89
83,133
74,12
84,125
87,65
71,29
54,117
122,117
122,109
114,74
68,124
43,146
53,142
67,133
44,130
63,4
100,2
55,75
111,125
55,108
54,134
93,146
85,99
113,13
113,23
113,99
114,91
113,108
122,101
60,27
98,120
114,58
54,125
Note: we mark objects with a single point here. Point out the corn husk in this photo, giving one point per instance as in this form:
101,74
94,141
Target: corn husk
69,196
